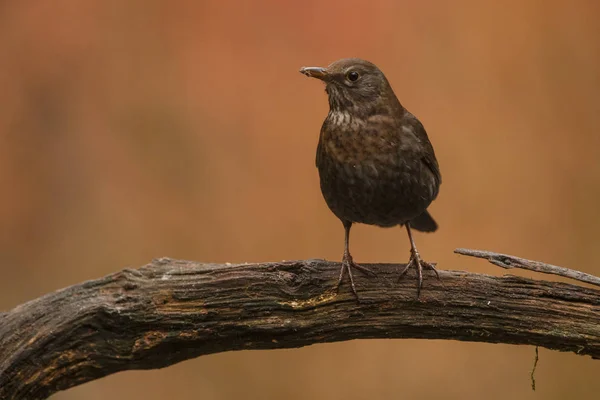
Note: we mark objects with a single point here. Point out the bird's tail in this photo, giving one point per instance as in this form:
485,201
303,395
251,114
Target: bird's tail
424,222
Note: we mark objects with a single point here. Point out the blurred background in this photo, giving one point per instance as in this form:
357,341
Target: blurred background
137,129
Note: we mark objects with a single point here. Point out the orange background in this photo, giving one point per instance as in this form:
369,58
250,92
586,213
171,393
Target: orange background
137,129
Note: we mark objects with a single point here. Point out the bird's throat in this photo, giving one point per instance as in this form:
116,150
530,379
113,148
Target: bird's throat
339,118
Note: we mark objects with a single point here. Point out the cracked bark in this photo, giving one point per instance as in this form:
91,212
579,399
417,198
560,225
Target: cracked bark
172,310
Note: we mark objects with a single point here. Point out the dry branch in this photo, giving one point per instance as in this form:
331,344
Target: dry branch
171,310
509,262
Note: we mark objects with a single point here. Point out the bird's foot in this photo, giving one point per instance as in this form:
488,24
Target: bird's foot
415,261
347,265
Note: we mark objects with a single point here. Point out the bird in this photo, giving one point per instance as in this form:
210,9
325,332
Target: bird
375,161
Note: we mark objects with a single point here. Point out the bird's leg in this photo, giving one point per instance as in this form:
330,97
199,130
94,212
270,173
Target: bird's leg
348,263
415,261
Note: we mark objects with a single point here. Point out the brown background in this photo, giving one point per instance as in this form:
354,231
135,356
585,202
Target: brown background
142,128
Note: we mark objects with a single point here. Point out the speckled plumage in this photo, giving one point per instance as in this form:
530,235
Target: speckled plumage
373,175
375,161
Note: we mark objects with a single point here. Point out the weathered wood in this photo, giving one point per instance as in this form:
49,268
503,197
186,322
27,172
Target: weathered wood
507,261
171,310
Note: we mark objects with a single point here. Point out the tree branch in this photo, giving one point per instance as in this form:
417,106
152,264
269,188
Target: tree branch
508,262
169,311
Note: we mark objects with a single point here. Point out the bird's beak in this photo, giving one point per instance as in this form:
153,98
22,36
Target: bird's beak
314,72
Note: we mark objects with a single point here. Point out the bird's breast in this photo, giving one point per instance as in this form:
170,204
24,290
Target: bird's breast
366,176
353,141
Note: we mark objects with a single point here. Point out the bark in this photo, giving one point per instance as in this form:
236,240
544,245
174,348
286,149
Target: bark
172,310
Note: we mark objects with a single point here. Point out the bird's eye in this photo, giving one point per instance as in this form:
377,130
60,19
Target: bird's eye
352,76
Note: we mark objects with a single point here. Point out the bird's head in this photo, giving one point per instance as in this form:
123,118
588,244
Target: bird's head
354,85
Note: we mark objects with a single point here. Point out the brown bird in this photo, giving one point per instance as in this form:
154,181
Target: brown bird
375,161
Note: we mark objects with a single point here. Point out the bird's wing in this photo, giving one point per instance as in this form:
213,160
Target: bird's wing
428,155
320,146
318,158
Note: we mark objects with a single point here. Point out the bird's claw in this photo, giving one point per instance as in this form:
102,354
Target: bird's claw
347,265
415,261
364,270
